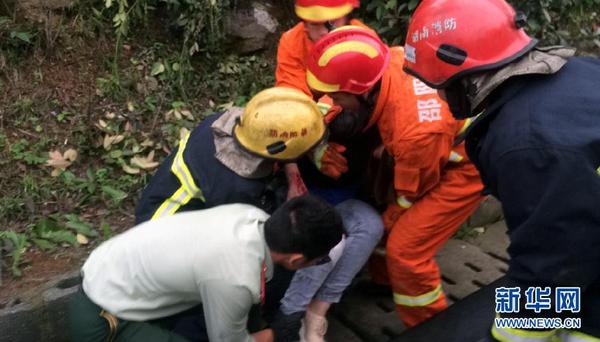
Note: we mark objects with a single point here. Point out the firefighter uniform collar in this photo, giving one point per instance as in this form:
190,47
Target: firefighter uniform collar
231,155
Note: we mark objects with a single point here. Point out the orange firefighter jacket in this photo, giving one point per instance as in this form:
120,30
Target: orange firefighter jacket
417,130
292,53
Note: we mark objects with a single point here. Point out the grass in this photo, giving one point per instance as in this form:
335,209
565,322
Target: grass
79,142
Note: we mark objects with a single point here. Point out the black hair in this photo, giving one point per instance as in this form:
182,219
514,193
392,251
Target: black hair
306,225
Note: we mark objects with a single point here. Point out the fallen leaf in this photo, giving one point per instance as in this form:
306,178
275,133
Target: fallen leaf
110,140
187,114
169,115
70,155
157,69
130,170
146,163
479,230
147,143
110,115
128,127
102,125
130,106
225,106
60,161
82,239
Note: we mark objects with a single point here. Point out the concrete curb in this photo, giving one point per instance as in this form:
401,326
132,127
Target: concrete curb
43,317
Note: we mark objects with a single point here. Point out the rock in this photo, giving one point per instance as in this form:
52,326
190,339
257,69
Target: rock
489,211
41,10
251,27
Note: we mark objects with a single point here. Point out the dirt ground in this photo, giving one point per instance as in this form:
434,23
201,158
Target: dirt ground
67,76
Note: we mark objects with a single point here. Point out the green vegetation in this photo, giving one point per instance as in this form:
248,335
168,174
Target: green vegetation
92,101
568,22
76,148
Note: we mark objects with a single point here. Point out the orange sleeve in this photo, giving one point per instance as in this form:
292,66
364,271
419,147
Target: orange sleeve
291,70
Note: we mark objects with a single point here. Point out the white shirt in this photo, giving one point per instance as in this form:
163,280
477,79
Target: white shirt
165,266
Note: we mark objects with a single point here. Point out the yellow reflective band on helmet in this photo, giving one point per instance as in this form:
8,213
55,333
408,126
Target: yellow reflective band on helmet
455,157
188,189
421,300
576,336
520,335
316,84
323,13
351,46
349,27
404,202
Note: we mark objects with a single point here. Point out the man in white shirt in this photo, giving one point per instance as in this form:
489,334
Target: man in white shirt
218,258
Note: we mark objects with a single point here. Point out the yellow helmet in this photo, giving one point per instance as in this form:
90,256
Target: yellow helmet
280,123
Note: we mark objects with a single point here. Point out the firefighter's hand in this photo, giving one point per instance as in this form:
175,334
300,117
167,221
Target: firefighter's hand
296,186
329,159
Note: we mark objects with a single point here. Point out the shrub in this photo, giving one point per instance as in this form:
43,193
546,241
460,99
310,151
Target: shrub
567,22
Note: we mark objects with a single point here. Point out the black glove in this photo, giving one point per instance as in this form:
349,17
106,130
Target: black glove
286,328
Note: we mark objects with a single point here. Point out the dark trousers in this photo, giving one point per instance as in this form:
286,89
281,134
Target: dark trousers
86,324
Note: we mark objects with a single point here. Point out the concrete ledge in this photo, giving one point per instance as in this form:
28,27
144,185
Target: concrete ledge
43,316
20,323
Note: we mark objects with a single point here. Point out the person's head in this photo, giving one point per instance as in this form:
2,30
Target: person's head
449,40
302,231
322,16
280,124
348,64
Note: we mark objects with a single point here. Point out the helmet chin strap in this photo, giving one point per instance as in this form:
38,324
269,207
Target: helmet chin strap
329,26
458,100
349,124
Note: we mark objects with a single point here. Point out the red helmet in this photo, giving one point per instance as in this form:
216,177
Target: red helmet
324,10
448,39
349,59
